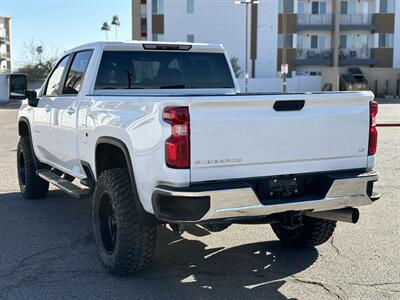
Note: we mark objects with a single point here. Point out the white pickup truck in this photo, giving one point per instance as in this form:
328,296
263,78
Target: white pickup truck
159,133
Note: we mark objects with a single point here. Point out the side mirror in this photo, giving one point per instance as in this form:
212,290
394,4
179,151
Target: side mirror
33,100
17,86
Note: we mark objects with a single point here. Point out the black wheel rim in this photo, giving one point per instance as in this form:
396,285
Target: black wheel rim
108,223
21,168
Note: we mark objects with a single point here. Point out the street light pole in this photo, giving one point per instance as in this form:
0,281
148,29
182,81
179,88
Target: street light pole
246,65
246,75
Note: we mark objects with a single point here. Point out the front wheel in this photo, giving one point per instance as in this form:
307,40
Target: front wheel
124,243
30,184
312,233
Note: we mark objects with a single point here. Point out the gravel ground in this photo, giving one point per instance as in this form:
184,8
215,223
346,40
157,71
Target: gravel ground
47,249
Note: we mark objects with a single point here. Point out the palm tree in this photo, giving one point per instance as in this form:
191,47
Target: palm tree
39,51
116,23
106,28
235,66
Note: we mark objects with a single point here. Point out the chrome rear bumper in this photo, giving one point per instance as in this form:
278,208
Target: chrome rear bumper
241,202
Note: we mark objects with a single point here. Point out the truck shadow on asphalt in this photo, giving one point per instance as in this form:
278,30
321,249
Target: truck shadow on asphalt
252,270
184,267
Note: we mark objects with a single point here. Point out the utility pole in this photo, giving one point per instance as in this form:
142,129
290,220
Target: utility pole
247,3
284,66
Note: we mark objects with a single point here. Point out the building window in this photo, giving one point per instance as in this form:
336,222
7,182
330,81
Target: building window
285,41
348,7
315,73
343,42
322,8
321,42
143,27
387,6
344,7
190,38
158,6
386,40
315,7
318,7
286,6
300,7
157,37
190,6
314,41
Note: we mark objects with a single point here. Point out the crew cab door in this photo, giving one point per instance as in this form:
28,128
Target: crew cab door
64,109
41,115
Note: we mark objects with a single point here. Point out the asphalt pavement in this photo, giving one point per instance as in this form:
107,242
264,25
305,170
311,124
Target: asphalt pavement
47,249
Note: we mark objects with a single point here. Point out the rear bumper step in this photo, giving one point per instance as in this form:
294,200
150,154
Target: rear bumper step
196,204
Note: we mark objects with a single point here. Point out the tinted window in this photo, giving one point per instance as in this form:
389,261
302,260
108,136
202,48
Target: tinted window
76,72
163,70
53,85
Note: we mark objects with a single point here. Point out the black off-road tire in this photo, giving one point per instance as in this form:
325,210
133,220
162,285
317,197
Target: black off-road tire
30,184
312,233
124,243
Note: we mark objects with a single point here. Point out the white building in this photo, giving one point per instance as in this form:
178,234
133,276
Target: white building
308,35
5,47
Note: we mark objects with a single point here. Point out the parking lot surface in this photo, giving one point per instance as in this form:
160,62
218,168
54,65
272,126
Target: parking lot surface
47,249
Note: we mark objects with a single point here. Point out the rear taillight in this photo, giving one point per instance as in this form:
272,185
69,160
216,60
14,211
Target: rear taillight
373,133
177,146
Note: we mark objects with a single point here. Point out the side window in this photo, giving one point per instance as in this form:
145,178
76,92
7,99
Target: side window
76,72
55,79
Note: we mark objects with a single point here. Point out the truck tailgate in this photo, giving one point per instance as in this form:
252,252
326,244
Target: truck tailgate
244,136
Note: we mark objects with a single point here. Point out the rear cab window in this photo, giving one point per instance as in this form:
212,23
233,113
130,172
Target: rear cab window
163,70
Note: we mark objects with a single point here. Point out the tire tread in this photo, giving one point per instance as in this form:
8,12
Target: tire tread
314,232
35,187
135,240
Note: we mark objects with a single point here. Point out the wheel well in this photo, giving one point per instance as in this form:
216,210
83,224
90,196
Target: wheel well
23,129
108,157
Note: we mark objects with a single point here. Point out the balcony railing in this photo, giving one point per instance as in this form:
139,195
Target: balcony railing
361,53
354,57
310,19
314,53
5,55
355,19
322,57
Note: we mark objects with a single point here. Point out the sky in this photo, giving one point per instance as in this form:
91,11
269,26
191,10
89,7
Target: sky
59,25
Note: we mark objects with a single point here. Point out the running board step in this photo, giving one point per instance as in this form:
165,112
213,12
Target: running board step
63,184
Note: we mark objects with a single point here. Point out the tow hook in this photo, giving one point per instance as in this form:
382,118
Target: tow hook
291,220
179,229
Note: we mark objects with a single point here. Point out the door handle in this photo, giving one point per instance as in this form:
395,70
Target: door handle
70,110
47,108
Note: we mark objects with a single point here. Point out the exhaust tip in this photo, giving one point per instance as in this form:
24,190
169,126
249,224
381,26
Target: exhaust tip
355,216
